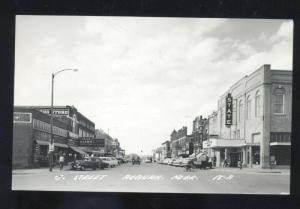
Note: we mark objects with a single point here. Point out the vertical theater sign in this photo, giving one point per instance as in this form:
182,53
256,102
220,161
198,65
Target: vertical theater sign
228,118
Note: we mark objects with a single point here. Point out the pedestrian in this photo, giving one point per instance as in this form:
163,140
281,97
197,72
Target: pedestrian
240,164
61,162
225,163
215,160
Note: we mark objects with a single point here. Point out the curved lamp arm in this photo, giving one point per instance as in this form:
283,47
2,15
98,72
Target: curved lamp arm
54,74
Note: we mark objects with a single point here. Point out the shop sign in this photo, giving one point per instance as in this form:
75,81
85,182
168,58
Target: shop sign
73,135
56,111
22,117
228,118
51,147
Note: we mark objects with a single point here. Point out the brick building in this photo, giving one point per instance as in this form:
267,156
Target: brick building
260,133
179,141
199,133
31,134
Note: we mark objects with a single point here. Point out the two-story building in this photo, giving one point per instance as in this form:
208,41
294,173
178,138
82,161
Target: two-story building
32,133
259,130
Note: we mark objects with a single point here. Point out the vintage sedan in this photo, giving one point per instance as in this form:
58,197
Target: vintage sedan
89,163
111,161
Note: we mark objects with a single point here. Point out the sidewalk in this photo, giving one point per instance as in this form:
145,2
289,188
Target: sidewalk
254,170
40,170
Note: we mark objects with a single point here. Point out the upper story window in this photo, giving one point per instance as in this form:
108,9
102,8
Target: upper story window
279,100
248,107
279,104
240,110
257,104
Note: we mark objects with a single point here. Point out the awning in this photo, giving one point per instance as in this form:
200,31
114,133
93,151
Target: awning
77,149
280,144
41,142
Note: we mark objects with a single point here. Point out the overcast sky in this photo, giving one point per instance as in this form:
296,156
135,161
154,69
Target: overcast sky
142,77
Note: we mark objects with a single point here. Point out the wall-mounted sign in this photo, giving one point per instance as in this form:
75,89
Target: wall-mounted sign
73,135
22,117
228,113
56,111
85,141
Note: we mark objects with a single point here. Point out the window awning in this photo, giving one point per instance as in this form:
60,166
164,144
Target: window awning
280,144
41,142
77,149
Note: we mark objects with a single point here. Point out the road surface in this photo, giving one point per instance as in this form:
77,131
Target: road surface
153,177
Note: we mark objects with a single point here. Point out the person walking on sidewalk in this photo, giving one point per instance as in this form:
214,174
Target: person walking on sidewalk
61,162
240,164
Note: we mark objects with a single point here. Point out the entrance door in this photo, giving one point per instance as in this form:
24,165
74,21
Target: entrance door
234,158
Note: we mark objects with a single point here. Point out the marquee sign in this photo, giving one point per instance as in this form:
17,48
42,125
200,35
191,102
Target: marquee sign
228,113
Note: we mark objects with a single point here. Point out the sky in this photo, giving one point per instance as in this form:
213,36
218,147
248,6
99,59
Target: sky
142,77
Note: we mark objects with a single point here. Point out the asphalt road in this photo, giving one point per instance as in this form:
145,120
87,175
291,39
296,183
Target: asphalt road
154,177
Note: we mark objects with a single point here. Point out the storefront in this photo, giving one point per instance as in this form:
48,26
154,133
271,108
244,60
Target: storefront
233,151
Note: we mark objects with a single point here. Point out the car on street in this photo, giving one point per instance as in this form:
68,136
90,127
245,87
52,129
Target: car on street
177,162
111,161
186,161
164,161
171,161
120,160
136,160
147,160
202,162
90,163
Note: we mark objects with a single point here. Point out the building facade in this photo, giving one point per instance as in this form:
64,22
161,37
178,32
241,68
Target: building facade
32,133
179,142
166,149
199,133
259,134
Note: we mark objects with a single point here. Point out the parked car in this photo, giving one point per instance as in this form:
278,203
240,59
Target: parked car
136,160
177,162
171,161
120,160
203,162
147,160
89,162
111,161
185,161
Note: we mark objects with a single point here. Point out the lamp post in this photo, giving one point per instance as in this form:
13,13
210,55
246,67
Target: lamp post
51,143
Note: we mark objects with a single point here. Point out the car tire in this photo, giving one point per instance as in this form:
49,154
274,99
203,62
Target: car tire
82,168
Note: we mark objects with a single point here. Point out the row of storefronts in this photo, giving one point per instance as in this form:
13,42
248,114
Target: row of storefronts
252,123
73,134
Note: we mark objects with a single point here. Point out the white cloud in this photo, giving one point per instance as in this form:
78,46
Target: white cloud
286,30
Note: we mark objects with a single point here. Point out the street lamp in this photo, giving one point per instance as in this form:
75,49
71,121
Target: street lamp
51,144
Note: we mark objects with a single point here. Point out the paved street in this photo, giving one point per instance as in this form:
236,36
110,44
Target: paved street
154,177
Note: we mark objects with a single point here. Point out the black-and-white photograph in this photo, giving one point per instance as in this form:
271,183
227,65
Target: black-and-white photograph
152,104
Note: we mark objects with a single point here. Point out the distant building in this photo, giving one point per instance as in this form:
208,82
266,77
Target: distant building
260,130
199,133
166,149
178,141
